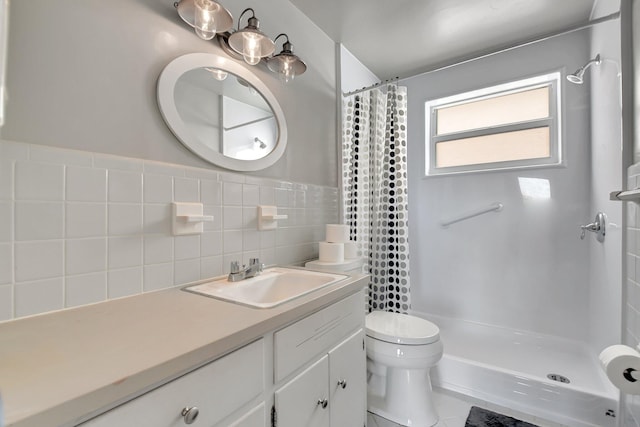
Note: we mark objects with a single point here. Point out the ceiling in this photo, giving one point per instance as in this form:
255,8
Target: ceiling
405,37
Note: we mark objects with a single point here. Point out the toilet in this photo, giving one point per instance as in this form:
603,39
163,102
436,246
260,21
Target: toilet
400,351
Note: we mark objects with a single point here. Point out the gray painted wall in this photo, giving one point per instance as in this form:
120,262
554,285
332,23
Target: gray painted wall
82,75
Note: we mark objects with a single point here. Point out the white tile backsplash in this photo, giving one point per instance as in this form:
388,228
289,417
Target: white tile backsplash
86,184
211,192
232,241
158,276
6,179
186,190
250,195
210,243
158,188
125,186
39,181
6,302
39,220
85,289
85,256
157,219
125,219
79,227
38,260
38,296
187,247
158,249
232,218
125,282
232,194
85,220
6,221
6,263
186,271
124,251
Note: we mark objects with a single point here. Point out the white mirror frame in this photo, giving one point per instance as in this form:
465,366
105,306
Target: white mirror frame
166,84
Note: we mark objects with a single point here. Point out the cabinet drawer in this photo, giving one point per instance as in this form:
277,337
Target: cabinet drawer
254,418
300,342
217,390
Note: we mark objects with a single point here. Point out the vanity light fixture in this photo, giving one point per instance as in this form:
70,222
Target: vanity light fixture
207,17
286,64
250,42
210,19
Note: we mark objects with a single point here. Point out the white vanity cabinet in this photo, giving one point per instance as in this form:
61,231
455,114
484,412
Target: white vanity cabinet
217,390
331,391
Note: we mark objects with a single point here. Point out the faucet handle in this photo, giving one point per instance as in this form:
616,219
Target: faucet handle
235,267
256,262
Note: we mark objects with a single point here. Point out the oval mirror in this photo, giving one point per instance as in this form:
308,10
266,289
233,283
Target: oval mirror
222,112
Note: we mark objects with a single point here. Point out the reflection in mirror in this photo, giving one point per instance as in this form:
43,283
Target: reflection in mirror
222,112
225,114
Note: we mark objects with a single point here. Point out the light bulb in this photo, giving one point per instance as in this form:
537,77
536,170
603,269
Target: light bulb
205,24
286,73
251,49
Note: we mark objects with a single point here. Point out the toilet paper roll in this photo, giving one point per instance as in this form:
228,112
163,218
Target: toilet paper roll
622,365
350,250
337,233
331,252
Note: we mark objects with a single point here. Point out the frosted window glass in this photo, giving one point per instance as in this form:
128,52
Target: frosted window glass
495,111
500,147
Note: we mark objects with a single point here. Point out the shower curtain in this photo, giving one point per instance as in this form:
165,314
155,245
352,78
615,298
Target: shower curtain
374,190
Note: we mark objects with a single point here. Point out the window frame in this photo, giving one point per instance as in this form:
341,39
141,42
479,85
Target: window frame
554,122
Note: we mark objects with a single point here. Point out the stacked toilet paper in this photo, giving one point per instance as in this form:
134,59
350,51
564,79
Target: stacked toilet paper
622,365
337,247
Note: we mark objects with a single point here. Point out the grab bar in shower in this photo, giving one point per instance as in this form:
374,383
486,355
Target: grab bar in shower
496,207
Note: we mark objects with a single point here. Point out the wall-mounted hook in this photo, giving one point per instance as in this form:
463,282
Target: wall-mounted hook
597,226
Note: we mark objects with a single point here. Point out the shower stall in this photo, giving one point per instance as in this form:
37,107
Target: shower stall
524,304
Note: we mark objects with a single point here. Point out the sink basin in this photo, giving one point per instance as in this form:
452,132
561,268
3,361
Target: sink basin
272,287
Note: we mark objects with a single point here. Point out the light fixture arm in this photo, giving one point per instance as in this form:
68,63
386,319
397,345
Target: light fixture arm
253,16
286,46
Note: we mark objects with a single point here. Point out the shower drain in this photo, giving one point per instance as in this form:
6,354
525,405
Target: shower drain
559,378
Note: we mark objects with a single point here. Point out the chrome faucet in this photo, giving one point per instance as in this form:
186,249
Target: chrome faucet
237,273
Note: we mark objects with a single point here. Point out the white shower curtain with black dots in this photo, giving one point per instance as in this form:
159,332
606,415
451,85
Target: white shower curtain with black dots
374,190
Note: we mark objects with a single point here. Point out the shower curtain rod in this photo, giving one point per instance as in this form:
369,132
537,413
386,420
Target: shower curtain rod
373,86
463,60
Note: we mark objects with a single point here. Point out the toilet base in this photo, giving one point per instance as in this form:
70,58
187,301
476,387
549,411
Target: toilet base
403,396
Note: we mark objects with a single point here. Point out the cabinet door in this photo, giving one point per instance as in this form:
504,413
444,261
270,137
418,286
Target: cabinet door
304,401
348,382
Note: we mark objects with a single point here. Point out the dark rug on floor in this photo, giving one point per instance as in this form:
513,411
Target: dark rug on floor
479,417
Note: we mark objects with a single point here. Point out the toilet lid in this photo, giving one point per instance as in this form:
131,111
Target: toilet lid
401,328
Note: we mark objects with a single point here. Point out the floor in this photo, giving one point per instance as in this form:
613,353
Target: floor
453,409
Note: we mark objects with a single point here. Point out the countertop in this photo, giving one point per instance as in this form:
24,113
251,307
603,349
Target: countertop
61,368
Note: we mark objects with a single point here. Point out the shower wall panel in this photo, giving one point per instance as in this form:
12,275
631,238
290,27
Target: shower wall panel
524,267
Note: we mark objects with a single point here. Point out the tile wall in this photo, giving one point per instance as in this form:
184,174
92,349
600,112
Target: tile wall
632,314
80,227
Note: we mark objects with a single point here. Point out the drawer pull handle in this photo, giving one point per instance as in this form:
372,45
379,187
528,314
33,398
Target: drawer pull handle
323,403
342,383
190,414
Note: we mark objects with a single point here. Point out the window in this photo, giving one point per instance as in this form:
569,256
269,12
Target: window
513,125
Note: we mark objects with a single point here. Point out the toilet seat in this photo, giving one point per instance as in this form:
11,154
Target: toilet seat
401,328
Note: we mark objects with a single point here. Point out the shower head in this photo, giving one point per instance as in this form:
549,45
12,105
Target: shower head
577,77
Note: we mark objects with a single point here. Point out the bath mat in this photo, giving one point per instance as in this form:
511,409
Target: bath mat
479,417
